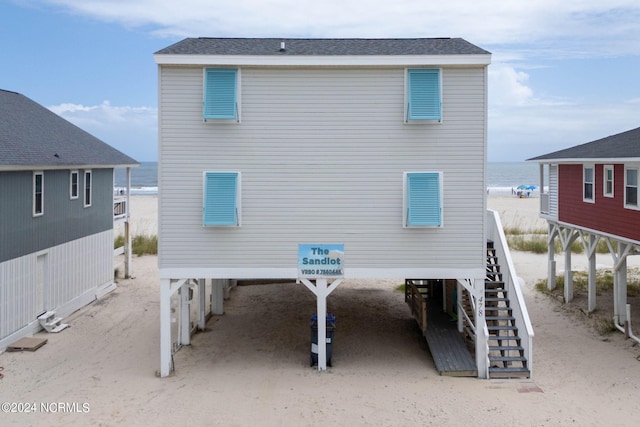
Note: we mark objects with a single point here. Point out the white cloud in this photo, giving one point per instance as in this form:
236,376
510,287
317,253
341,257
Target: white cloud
583,27
132,130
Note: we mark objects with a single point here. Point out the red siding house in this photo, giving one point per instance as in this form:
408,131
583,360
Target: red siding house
590,192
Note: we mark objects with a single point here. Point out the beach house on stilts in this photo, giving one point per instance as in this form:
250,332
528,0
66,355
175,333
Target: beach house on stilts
57,214
591,195
328,159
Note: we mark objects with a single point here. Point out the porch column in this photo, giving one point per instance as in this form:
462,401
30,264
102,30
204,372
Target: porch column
217,296
202,304
165,327
568,276
185,314
127,228
551,267
482,343
620,291
591,251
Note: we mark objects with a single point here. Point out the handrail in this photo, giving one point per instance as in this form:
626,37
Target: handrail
495,232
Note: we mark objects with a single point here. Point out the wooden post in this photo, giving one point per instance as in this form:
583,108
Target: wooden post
202,316
591,251
551,268
185,314
127,230
321,306
482,359
217,296
166,364
321,290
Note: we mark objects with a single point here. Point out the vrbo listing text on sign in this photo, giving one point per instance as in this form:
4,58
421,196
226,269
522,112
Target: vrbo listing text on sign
320,260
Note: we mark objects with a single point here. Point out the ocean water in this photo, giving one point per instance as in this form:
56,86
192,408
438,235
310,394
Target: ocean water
501,177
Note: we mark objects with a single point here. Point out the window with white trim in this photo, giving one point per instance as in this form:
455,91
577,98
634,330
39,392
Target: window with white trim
608,181
631,188
587,187
221,94
423,95
87,189
221,199
73,185
422,199
38,193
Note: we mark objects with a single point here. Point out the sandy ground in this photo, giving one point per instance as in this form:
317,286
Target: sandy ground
251,366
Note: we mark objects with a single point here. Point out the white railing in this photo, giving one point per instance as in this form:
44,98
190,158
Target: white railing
544,203
509,277
119,207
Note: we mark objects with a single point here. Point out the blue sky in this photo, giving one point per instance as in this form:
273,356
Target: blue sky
563,73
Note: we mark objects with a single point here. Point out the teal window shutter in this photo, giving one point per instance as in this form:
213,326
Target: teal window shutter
221,199
424,94
424,201
220,93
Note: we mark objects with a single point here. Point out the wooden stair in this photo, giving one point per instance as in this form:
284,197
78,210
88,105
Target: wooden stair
51,323
506,354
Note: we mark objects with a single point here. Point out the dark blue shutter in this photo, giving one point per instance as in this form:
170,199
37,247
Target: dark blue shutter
220,93
424,94
423,199
220,198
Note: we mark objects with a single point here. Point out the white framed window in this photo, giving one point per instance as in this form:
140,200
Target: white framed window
38,193
607,189
221,199
74,183
88,193
422,199
631,188
587,184
423,95
221,94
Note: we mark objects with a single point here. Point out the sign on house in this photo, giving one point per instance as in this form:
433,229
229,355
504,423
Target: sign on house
320,261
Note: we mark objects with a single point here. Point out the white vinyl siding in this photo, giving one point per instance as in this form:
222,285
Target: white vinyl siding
221,205
607,188
631,188
422,199
38,193
587,187
321,152
221,94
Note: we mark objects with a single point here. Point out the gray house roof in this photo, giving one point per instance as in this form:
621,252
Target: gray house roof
33,136
625,145
322,47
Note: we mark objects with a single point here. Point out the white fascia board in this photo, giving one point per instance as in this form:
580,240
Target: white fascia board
324,61
14,168
599,160
349,273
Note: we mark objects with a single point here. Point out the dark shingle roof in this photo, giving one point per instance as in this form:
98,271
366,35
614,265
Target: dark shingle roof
31,135
322,47
620,146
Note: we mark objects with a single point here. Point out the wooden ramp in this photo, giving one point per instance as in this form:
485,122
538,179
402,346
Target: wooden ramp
447,347
449,352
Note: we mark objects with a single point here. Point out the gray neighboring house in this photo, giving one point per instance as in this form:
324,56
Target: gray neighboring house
370,149
57,211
